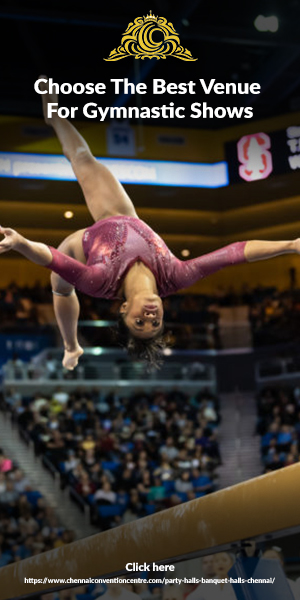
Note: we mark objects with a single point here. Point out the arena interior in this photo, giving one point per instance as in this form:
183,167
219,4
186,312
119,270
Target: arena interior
113,441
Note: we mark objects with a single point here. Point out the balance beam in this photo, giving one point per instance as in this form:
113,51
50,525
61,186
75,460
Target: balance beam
261,508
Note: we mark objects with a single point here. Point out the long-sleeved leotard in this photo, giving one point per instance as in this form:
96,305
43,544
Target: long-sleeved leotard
113,245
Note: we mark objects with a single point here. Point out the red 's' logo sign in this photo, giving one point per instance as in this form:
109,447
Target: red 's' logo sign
254,156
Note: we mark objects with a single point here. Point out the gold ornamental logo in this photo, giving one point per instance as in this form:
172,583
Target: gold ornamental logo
138,41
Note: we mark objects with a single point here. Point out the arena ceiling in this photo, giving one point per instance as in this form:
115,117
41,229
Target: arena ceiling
68,41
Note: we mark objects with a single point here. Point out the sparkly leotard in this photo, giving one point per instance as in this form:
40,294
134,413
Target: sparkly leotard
113,245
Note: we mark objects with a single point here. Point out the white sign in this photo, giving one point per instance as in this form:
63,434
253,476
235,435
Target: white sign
120,140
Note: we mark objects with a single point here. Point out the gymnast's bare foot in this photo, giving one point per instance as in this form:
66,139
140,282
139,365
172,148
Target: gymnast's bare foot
71,357
46,98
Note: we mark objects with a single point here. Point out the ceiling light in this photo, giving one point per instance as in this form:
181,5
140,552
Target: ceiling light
185,252
273,24
266,23
68,214
97,351
167,351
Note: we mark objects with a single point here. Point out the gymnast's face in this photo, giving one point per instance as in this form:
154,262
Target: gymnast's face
143,315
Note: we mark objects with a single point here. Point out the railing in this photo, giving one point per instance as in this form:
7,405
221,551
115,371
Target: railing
277,370
109,367
95,371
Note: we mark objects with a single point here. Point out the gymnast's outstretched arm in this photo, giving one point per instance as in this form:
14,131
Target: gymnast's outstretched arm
90,280
186,273
34,251
66,304
260,250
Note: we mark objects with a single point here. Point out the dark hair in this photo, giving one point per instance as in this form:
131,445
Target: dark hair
149,350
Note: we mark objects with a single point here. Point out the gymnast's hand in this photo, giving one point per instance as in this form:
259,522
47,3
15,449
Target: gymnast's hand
34,251
11,240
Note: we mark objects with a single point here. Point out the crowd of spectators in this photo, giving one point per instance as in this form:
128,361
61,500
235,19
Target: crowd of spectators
279,426
27,525
19,304
275,317
194,319
125,456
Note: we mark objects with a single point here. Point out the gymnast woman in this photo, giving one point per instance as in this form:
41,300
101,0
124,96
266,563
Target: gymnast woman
119,256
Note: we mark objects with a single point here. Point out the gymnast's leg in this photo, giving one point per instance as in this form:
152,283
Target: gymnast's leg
66,305
104,195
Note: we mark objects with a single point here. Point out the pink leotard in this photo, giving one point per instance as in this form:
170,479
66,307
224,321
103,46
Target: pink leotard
113,245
